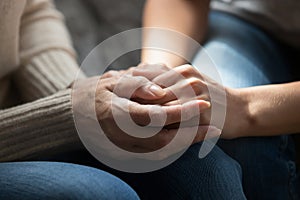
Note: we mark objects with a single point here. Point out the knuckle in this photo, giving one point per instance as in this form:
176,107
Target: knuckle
203,97
113,72
143,65
107,74
163,66
131,68
136,72
194,82
186,70
140,80
129,71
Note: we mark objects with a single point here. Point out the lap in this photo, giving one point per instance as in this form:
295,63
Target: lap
216,176
50,180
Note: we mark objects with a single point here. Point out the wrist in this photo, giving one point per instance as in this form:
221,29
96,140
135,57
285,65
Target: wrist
239,119
159,56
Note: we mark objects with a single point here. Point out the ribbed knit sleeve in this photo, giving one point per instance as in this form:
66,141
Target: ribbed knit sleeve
45,74
48,60
45,124
42,127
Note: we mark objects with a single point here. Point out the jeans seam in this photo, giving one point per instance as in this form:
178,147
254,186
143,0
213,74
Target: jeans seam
292,179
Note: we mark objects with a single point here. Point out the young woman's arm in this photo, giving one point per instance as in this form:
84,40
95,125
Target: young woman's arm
188,17
255,111
273,109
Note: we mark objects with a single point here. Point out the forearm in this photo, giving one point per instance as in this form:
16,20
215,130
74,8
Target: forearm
48,62
46,74
272,109
188,17
40,128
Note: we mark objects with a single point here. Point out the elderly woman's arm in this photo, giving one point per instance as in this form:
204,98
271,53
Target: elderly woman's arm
44,125
40,128
48,61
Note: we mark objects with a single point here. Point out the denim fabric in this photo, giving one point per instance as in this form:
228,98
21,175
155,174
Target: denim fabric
245,56
50,180
217,176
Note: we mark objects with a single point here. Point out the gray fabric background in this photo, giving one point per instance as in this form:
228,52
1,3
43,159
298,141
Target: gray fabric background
92,21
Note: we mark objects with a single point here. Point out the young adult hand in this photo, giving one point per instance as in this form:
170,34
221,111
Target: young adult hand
177,83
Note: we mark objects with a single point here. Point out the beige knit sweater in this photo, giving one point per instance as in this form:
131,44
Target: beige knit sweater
37,62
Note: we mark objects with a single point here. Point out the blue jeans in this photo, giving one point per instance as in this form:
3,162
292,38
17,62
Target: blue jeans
245,56
253,168
50,180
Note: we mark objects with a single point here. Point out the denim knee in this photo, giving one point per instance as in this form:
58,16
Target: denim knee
45,180
220,175
216,176
268,165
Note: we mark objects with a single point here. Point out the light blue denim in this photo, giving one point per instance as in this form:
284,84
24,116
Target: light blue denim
59,181
246,56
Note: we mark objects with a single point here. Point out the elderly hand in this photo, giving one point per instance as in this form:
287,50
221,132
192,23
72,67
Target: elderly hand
113,104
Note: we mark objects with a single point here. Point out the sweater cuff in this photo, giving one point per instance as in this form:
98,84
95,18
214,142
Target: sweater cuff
47,73
41,128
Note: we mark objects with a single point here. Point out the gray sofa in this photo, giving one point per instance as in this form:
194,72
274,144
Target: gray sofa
92,21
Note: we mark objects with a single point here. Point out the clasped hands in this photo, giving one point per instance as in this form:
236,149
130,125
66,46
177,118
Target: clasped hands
181,93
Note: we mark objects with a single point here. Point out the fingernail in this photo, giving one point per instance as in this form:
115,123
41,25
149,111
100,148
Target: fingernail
157,91
204,104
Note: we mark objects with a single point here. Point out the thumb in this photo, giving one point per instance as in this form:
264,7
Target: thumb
150,91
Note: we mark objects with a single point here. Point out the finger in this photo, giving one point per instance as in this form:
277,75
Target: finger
130,143
158,116
168,97
204,98
156,142
201,120
150,71
111,73
184,138
149,91
168,78
136,87
129,71
163,138
135,143
182,91
176,74
188,136
146,145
